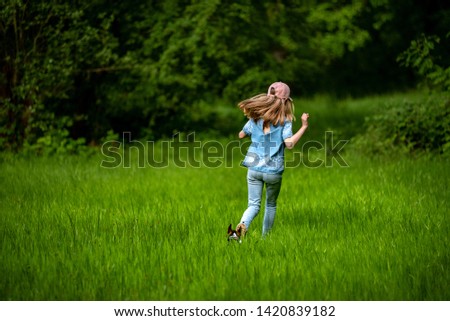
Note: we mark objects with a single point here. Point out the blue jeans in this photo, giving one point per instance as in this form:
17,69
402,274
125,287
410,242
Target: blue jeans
256,181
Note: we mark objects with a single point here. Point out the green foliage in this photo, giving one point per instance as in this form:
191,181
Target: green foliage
335,28
201,52
408,127
159,67
54,138
420,57
44,47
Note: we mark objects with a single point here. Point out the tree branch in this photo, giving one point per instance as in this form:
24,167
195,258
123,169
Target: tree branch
109,69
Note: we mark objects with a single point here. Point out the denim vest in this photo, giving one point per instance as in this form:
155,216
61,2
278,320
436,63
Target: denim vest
266,153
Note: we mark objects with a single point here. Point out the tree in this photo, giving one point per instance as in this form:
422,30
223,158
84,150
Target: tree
44,46
422,58
78,69
209,50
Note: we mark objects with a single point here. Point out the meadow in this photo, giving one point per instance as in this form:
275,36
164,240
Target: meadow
376,229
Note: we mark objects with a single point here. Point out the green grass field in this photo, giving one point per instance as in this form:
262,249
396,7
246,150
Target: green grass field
72,230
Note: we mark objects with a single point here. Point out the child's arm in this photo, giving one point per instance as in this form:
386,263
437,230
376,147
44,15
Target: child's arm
291,141
247,130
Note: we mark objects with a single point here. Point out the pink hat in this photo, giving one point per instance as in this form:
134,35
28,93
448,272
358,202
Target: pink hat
281,90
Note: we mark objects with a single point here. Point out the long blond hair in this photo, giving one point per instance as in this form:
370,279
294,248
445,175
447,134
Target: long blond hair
270,108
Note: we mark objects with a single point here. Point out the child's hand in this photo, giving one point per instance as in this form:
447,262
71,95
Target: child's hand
305,117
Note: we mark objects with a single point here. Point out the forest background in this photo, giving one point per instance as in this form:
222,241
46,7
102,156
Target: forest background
76,73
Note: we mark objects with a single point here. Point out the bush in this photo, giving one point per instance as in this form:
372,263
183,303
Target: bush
52,137
422,58
412,128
